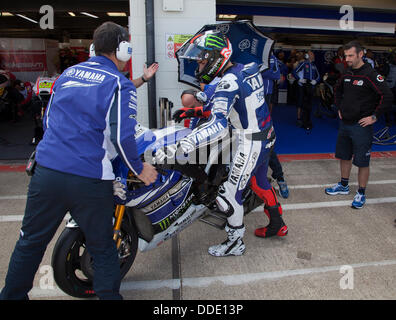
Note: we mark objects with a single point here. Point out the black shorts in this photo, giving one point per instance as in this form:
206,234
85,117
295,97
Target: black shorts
353,139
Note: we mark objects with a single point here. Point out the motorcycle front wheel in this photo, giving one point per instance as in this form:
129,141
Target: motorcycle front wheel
72,264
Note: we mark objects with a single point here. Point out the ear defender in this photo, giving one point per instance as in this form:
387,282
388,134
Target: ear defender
92,50
124,51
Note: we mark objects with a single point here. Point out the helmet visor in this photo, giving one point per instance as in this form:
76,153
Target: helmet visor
193,52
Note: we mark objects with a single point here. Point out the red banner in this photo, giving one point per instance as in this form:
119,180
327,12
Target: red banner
23,61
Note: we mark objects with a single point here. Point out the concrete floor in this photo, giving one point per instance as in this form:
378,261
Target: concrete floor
331,252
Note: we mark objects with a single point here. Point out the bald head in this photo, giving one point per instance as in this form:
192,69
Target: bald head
189,101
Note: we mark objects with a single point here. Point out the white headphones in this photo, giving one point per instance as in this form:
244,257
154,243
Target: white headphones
124,51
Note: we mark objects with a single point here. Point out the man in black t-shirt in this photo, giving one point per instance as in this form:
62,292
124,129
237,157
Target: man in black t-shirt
361,96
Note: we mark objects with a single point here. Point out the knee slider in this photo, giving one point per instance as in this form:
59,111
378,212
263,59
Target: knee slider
226,201
224,205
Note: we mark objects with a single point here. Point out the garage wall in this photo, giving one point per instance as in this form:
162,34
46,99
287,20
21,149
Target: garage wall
194,15
29,58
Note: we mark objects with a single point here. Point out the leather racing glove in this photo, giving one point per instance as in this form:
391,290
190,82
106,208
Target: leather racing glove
184,113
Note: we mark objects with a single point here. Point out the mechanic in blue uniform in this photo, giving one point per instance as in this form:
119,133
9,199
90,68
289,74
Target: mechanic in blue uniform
239,100
307,76
90,118
271,75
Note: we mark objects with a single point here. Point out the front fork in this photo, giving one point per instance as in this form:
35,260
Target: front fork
119,214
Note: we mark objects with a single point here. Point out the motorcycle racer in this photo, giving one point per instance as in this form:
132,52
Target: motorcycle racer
239,100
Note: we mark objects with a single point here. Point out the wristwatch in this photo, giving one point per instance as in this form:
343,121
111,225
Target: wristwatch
143,79
373,117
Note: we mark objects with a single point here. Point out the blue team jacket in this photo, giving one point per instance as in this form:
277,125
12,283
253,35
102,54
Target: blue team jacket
90,118
306,70
271,74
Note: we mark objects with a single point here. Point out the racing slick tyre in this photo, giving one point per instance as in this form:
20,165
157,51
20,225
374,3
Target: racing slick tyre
72,264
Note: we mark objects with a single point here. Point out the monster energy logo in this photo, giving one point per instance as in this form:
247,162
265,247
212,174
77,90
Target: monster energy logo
164,224
214,41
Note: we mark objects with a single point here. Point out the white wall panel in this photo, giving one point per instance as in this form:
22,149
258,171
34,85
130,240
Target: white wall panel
195,14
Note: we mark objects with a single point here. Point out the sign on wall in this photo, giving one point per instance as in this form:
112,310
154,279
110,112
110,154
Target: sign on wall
23,61
174,42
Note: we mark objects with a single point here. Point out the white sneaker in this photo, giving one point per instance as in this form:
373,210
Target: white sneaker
233,246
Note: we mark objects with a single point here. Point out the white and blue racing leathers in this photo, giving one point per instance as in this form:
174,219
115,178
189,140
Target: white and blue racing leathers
239,101
90,118
208,90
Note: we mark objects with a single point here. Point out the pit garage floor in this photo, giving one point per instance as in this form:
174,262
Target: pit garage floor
331,252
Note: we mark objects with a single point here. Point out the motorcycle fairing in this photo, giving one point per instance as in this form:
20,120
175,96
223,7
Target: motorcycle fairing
152,140
187,216
168,136
164,215
167,203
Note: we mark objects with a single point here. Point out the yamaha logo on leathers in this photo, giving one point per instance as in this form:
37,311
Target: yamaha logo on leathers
255,82
249,168
205,133
236,172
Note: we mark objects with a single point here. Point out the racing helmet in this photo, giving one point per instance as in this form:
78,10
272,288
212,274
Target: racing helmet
212,46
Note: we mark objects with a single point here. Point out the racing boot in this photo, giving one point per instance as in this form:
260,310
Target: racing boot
233,246
276,226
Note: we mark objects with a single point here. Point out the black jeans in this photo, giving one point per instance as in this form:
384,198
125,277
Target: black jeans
90,202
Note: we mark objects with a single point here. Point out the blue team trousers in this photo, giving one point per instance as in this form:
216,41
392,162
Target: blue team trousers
51,195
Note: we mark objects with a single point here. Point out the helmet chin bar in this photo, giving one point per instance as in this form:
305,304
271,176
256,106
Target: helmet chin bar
211,69
213,47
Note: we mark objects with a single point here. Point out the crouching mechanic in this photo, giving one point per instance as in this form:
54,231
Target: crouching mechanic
238,99
196,104
195,108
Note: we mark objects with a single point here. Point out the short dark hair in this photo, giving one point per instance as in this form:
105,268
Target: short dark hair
354,44
107,37
189,91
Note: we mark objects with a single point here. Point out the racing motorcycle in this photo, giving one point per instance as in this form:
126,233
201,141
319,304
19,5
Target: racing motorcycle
149,215
42,90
